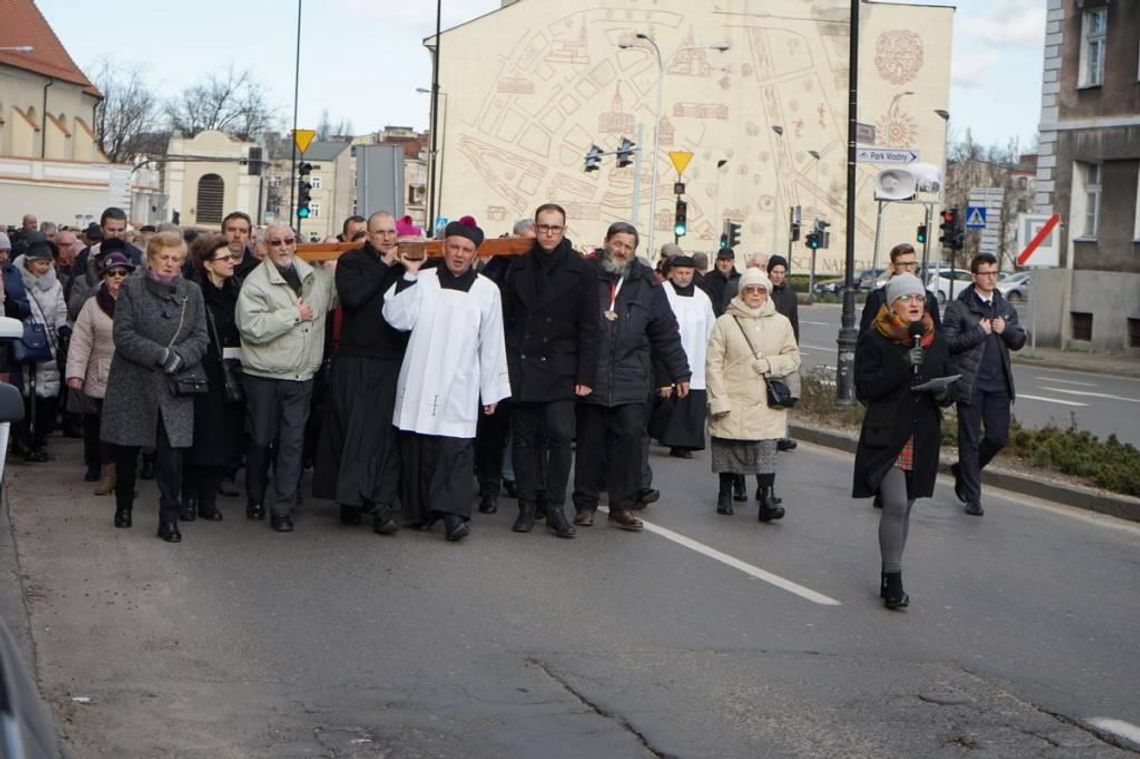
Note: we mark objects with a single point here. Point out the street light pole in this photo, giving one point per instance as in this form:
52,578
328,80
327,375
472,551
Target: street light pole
776,205
716,213
815,216
296,99
848,335
434,119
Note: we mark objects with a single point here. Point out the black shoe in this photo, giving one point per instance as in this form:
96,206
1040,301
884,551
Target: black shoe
229,489
768,510
891,591
488,505
350,515
644,497
786,444
956,472
525,520
510,489
455,527
93,474
739,489
724,502
168,531
209,512
557,522
189,510
775,498
146,471
384,525
680,453
254,511
122,517
281,523
975,509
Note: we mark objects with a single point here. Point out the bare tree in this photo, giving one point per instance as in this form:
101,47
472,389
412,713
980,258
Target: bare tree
127,114
972,165
229,102
326,130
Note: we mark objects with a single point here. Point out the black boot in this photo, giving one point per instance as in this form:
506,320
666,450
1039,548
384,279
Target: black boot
724,496
525,521
168,531
189,510
557,522
488,504
122,517
254,510
892,593
768,510
760,492
739,488
455,527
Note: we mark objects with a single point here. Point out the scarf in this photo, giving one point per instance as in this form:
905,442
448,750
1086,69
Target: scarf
104,300
292,278
893,327
156,277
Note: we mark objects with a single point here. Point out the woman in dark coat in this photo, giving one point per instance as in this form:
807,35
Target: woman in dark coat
218,423
159,331
897,457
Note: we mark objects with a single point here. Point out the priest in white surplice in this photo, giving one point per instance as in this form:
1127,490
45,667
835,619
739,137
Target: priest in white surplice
684,430
454,369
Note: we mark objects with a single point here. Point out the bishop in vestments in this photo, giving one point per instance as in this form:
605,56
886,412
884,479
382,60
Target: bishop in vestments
454,369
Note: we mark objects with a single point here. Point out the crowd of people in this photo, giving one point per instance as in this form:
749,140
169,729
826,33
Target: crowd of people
416,388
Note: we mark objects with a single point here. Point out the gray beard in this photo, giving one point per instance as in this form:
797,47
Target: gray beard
613,266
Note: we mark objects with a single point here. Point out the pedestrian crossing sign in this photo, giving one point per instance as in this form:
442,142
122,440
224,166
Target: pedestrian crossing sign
975,217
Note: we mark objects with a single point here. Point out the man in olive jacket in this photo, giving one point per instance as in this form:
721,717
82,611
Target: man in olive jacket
281,317
981,328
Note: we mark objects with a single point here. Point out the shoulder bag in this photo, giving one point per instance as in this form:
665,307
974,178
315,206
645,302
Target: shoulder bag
231,367
190,380
35,346
778,392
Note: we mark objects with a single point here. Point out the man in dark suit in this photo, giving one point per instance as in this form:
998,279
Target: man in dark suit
903,261
549,301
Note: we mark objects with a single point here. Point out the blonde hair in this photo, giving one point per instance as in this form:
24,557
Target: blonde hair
164,241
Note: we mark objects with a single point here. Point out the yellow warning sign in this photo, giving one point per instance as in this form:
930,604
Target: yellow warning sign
680,159
302,137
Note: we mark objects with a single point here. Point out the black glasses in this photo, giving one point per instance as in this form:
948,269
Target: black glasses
118,273
279,243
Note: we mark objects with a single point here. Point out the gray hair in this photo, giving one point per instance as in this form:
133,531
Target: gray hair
701,260
756,261
166,226
521,226
623,227
276,225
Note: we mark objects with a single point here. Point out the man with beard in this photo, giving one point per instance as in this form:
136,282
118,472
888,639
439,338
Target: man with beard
358,461
634,318
454,369
552,349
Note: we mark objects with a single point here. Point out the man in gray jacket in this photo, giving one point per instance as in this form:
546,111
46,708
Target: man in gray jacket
281,317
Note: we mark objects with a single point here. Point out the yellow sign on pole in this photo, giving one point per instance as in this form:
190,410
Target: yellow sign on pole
302,138
680,159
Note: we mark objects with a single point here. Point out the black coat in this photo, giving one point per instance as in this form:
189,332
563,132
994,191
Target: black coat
552,337
876,299
645,332
883,379
362,278
967,339
216,435
784,298
715,285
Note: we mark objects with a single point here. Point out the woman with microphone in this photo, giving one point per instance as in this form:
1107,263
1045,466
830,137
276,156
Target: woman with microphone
897,457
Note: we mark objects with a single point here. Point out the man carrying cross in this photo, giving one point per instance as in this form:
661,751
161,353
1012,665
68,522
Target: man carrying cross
456,360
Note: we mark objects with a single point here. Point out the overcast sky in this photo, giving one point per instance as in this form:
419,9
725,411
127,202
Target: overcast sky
362,60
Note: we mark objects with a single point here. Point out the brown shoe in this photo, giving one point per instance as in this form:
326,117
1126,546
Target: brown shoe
625,520
584,518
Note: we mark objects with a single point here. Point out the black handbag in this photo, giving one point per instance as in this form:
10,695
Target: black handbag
231,367
33,347
192,379
778,393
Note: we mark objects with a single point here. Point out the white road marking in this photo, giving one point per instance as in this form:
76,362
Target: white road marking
1117,727
815,348
735,563
815,324
1051,400
1090,394
1067,382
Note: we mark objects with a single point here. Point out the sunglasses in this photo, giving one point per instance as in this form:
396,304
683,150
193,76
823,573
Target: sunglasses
226,257
279,243
118,273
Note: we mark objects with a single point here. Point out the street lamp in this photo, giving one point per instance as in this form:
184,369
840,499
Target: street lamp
661,64
779,130
716,213
816,214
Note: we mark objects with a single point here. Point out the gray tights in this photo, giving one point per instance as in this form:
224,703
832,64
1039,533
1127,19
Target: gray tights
895,519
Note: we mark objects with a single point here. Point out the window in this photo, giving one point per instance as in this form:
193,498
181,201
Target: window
1094,37
314,209
211,198
1082,325
315,181
1092,199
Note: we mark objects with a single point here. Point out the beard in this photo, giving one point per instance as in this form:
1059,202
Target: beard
613,265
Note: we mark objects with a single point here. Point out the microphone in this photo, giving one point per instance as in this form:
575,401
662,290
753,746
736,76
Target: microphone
915,329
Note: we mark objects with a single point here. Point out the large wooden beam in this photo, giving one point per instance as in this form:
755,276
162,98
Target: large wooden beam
498,246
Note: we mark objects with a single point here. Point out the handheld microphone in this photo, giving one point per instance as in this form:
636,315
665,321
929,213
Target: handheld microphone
916,330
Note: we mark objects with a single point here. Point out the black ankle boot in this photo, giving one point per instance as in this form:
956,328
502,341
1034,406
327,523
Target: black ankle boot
168,531
894,597
768,510
189,510
254,510
455,527
122,517
724,496
525,521
557,522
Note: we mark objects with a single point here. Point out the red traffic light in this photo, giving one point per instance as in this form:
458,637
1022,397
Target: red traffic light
949,215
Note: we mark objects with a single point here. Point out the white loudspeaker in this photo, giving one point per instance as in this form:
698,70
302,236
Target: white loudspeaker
904,182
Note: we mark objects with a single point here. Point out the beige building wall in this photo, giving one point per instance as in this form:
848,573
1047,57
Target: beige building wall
531,86
182,178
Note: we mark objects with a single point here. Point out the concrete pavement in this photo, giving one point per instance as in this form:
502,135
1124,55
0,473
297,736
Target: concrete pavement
333,641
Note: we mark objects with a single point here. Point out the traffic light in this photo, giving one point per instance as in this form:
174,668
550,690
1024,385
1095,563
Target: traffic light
948,225
304,189
731,234
723,240
593,158
794,218
625,153
680,223
814,241
921,234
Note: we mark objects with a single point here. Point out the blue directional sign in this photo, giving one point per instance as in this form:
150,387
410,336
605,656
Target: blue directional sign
975,217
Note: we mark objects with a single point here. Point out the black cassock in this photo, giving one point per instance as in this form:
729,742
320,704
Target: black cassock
437,476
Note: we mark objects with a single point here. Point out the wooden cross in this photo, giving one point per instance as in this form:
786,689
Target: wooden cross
417,249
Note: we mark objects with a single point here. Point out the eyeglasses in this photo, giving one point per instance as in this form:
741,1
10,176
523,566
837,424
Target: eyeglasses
226,257
993,273
912,298
118,273
549,229
279,243
906,264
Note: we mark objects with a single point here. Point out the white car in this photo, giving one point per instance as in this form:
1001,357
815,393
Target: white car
939,283
1015,287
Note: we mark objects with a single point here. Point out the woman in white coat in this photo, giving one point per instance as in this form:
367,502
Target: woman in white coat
41,380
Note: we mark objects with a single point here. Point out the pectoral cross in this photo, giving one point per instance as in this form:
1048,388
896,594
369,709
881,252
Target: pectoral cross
434,405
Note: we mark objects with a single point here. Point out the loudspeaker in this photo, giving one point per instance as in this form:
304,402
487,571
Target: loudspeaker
904,182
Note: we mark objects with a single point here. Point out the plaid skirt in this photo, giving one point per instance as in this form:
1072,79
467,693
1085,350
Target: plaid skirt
743,456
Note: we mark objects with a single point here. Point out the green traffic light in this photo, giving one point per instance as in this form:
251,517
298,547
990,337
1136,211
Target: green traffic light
302,213
679,230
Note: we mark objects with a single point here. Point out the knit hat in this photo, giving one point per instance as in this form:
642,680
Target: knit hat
774,261
904,284
115,260
406,227
680,262
5,243
40,249
465,227
752,277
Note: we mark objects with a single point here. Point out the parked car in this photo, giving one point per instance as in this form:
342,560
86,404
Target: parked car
1015,287
940,283
865,279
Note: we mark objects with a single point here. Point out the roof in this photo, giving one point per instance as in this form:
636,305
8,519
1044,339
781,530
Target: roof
325,150
25,25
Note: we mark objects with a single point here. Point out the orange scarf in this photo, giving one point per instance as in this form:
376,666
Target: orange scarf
896,329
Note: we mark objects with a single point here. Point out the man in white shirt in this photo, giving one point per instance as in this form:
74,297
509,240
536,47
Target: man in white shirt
454,369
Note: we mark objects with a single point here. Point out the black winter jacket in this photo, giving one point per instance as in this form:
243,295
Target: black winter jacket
883,379
552,335
784,298
967,339
645,331
362,278
715,285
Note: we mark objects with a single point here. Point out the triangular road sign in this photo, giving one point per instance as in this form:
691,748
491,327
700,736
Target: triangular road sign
680,159
303,137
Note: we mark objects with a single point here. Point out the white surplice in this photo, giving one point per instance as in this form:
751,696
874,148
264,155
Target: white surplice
696,318
456,354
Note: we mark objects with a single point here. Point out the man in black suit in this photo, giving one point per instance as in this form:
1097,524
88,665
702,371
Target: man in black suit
549,301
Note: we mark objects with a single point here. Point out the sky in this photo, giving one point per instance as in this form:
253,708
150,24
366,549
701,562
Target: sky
362,60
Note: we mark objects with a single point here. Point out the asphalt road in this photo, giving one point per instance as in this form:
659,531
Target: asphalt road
709,636
1102,404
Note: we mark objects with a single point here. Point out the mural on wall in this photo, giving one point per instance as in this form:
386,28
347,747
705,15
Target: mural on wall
567,84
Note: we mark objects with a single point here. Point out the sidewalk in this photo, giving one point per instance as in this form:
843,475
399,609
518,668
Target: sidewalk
1076,361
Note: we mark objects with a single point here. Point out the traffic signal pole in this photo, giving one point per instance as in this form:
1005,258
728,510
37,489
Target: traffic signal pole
848,335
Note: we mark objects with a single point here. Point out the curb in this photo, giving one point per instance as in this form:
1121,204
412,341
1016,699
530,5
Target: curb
1087,365
1079,496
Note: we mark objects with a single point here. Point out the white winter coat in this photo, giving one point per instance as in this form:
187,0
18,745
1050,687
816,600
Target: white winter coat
45,297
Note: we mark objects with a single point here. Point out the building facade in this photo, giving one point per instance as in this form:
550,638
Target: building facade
333,194
207,176
1089,174
516,126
